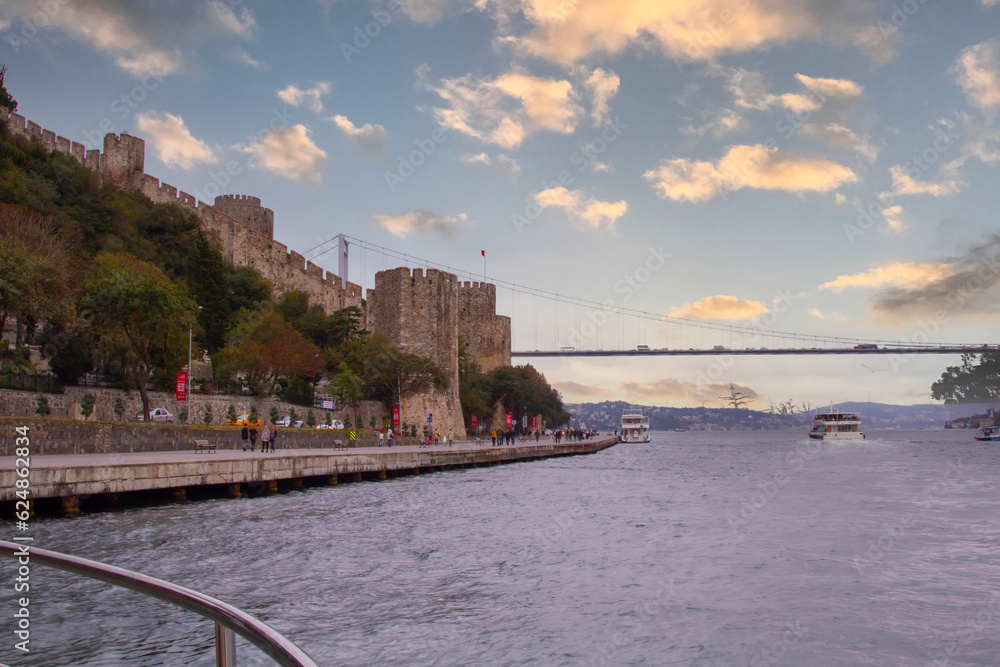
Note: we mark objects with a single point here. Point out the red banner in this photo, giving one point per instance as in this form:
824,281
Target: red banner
395,417
510,420
182,379
534,422
474,423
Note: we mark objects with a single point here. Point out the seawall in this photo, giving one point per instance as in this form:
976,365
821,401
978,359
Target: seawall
101,479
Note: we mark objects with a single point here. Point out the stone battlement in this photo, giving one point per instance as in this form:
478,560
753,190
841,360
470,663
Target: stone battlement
244,228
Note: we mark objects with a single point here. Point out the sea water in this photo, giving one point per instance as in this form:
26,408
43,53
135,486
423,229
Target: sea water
709,549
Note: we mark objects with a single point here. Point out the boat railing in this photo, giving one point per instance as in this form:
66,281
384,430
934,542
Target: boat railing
229,621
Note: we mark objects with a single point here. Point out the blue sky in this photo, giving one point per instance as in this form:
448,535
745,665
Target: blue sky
823,167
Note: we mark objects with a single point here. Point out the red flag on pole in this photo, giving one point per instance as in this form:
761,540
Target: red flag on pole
484,253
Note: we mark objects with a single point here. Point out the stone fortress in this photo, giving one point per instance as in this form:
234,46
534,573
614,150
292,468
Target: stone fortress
422,314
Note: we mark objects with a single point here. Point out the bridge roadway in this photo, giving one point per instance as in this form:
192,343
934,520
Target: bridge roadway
925,349
70,477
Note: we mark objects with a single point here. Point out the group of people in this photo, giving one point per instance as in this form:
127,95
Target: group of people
572,434
501,437
385,438
267,437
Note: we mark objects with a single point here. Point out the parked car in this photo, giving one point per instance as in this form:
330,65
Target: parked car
337,424
155,415
244,420
287,422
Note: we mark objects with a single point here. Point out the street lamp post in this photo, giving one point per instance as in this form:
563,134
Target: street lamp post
187,381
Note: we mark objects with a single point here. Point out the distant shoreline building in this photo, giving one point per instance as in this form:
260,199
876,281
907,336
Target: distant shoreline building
422,314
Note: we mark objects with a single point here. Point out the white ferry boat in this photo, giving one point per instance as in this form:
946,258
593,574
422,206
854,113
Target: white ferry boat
988,434
836,425
634,427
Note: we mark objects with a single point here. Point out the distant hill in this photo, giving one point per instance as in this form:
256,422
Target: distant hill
606,416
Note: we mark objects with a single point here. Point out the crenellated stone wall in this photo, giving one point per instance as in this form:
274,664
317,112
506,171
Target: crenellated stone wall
486,334
243,228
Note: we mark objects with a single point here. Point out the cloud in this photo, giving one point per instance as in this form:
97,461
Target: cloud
977,71
289,153
835,134
841,89
753,166
688,30
244,25
420,221
682,391
132,33
906,275
172,142
965,286
721,307
310,97
570,388
717,123
505,110
894,219
833,317
603,86
369,138
507,166
904,184
587,211
241,56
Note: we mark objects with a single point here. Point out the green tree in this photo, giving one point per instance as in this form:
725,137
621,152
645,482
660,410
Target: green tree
231,413
310,419
206,416
347,422
87,405
182,414
42,405
141,316
384,371
119,408
5,98
292,416
975,380
736,399
253,416
372,422
275,415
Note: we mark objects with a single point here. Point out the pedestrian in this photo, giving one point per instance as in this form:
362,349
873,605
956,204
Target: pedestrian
244,435
537,434
253,437
451,437
388,437
265,439
381,438
493,438
274,436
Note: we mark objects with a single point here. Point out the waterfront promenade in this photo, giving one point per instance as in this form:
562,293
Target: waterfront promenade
103,479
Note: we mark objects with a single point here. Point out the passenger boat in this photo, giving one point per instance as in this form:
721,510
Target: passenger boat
634,427
836,425
988,434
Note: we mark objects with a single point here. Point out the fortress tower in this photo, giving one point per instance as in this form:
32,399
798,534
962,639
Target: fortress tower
486,334
248,211
420,315
123,161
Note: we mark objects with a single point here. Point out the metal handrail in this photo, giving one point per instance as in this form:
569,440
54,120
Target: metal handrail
228,619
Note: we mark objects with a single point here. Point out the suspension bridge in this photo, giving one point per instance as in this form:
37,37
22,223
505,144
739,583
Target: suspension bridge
604,329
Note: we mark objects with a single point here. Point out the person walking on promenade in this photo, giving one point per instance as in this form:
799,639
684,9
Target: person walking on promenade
451,437
388,437
244,434
265,438
274,436
381,438
493,438
537,435
253,437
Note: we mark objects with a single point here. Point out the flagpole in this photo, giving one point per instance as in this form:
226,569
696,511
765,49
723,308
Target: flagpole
484,267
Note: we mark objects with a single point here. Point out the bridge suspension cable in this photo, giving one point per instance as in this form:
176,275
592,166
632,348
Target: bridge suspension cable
621,311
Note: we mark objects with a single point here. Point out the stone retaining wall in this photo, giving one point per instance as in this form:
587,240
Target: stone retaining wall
68,437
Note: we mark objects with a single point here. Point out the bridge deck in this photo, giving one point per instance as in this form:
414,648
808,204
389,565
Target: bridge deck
992,349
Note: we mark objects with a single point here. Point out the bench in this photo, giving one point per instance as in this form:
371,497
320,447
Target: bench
339,444
204,446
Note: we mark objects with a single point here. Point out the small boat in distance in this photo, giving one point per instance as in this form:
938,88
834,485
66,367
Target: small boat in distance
988,434
836,425
634,427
